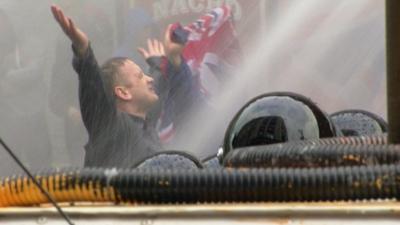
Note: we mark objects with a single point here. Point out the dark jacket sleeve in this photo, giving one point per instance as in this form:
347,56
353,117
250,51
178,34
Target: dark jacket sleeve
156,65
182,87
157,70
176,87
172,81
97,107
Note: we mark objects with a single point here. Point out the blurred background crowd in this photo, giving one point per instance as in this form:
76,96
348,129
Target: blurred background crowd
330,51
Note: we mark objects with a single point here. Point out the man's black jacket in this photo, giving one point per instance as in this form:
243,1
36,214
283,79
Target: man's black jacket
116,139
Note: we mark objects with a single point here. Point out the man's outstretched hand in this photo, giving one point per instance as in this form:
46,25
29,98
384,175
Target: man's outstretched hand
78,38
170,49
154,48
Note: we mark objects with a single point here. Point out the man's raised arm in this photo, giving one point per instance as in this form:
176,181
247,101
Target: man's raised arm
79,39
172,76
97,109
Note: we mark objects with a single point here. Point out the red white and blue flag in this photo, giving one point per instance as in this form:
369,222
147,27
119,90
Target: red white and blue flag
211,50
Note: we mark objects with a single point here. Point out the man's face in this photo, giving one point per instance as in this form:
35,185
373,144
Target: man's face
138,85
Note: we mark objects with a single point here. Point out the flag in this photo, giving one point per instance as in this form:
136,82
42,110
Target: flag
212,49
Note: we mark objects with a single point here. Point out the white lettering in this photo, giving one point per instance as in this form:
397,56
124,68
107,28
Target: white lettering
160,9
196,8
179,7
165,8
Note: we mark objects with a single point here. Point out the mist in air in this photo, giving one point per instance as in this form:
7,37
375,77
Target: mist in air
330,51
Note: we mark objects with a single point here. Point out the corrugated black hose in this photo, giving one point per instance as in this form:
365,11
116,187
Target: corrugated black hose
344,151
207,186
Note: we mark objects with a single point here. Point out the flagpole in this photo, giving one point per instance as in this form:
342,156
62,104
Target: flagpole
393,68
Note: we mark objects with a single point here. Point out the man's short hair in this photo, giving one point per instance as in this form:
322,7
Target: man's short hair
110,73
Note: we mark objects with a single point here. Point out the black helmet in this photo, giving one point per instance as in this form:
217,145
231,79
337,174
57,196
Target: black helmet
274,118
170,160
357,122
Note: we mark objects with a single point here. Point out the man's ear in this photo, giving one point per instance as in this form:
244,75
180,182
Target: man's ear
122,93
